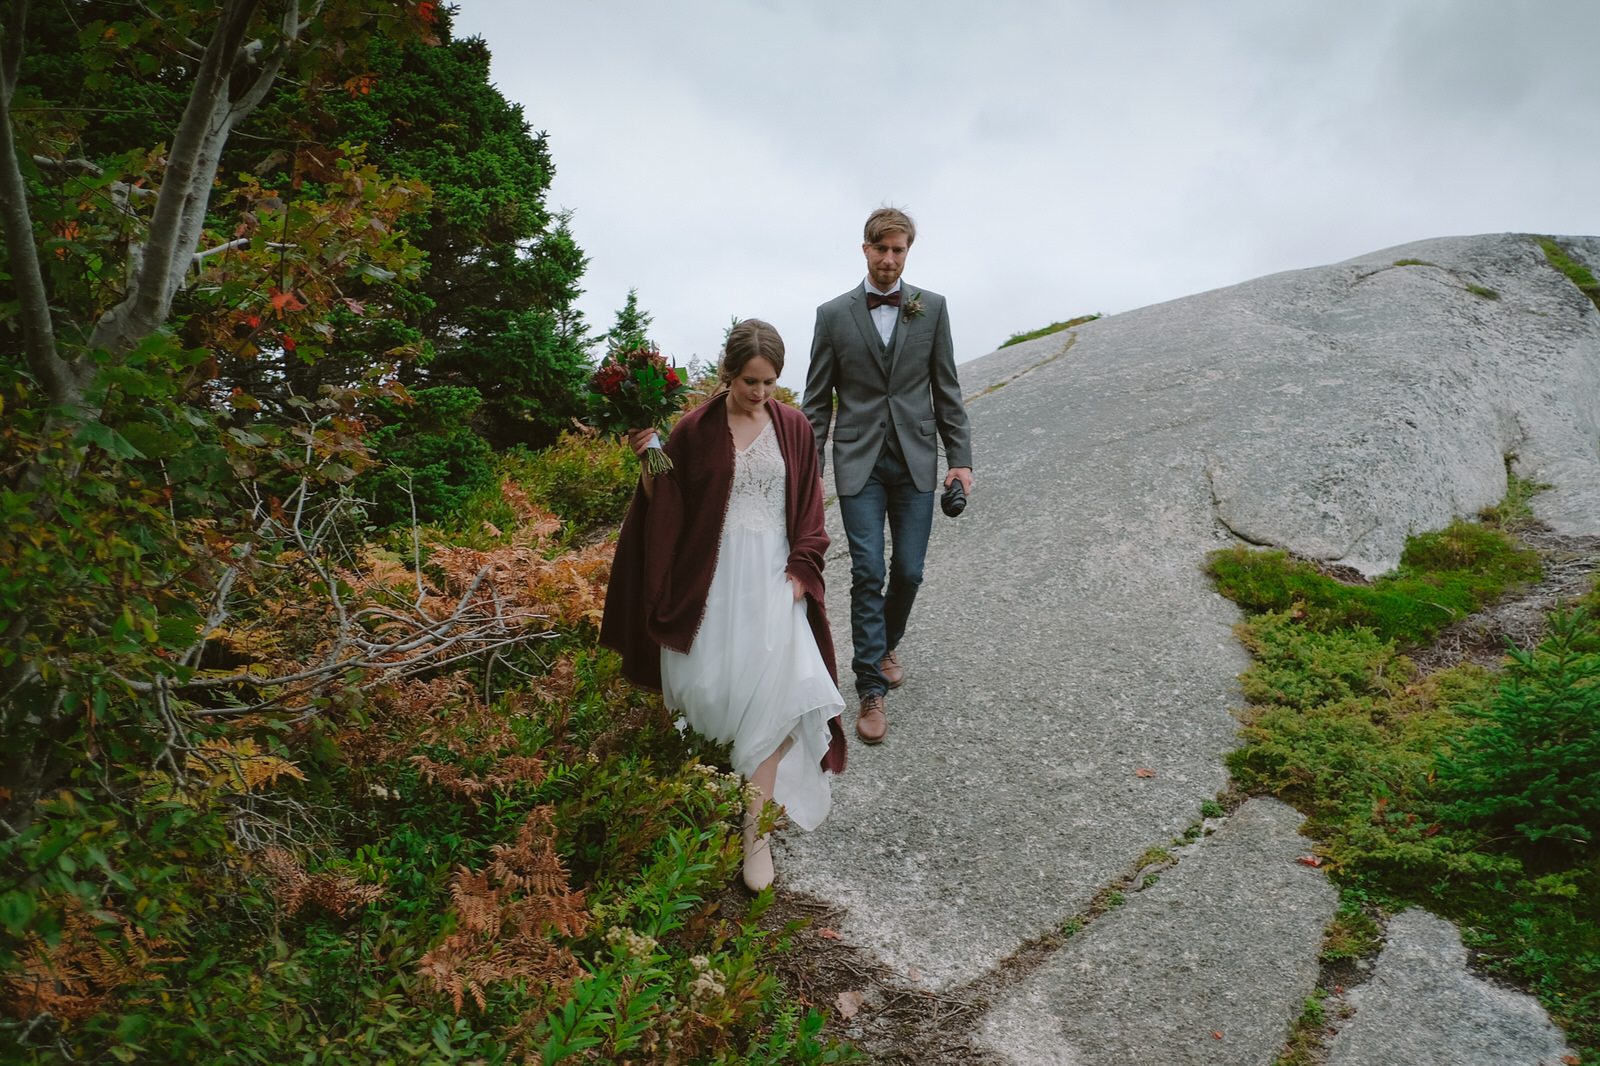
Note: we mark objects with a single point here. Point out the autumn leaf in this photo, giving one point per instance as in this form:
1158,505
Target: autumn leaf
286,301
848,1003
828,934
1144,771
1311,860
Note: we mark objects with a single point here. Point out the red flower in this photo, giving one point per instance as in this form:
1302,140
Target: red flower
608,379
672,378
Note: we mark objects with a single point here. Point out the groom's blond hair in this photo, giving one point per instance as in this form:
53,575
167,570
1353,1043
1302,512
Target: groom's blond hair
886,220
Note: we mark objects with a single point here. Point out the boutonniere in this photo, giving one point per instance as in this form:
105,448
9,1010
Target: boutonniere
912,308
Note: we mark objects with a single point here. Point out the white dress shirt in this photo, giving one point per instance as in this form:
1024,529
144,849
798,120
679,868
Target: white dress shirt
883,315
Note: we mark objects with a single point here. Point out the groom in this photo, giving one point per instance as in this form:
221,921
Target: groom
883,349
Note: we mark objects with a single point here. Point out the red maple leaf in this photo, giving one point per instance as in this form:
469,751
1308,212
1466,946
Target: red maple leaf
286,300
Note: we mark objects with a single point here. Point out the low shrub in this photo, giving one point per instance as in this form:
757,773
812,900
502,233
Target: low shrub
587,481
1467,791
1532,768
519,862
430,461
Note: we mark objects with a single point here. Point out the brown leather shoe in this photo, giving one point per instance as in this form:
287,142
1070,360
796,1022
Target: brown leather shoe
891,669
872,723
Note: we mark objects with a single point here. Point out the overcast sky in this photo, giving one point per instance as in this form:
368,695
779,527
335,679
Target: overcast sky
1060,158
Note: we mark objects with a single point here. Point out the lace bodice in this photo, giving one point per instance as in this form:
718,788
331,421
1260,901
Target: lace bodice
756,500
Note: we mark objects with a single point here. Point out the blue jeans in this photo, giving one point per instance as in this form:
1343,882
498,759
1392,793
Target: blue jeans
878,621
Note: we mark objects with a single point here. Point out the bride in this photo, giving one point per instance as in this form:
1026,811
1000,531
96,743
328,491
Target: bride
716,594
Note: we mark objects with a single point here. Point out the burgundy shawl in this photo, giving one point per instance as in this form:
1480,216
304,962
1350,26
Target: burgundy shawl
667,550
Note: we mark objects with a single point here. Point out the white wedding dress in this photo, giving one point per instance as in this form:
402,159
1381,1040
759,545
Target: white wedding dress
753,674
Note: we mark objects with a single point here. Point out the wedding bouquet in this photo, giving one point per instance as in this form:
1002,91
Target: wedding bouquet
634,388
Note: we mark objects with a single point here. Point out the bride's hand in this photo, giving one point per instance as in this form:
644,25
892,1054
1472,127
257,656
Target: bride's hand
799,593
639,440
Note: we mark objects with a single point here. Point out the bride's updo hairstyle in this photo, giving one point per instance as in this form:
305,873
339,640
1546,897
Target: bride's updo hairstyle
749,339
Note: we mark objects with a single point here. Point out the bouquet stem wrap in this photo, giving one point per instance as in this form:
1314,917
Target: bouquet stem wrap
656,461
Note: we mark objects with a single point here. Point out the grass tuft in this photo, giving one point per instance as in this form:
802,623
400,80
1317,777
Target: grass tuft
1513,509
1054,327
1414,263
1486,293
1352,934
1576,272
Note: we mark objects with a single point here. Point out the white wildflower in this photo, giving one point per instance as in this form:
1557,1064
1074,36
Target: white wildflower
639,946
707,985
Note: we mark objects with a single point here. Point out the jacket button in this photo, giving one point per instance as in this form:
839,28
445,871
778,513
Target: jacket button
882,424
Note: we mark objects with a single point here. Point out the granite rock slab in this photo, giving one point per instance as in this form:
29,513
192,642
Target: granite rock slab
1208,966
1423,1007
1070,670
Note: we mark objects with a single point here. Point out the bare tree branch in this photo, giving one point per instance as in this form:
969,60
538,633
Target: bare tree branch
185,189
38,331
15,30
70,168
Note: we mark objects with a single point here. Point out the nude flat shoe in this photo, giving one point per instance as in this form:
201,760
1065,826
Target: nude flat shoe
758,870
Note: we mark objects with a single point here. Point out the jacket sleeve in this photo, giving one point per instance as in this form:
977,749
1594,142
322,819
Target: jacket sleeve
948,410
821,377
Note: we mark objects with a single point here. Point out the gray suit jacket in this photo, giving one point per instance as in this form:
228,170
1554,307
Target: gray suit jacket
912,382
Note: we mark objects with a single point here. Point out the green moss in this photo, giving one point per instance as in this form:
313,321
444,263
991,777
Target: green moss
1054,327
1479,290
1443,576
1414,263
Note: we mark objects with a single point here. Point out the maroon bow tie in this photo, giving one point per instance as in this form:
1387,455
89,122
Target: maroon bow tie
878,299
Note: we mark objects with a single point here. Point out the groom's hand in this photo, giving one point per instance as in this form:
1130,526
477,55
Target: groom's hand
962,474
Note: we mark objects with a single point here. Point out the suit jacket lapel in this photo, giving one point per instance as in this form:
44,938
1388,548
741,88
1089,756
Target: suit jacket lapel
869,331
902,325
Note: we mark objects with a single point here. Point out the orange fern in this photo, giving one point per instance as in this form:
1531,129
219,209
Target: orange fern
505,916
84,970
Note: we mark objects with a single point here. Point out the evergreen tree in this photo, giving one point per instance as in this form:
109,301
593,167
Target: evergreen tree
631,329
495,304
